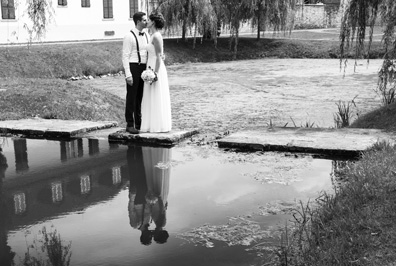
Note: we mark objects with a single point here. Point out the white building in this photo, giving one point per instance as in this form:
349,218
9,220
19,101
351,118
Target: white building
73,20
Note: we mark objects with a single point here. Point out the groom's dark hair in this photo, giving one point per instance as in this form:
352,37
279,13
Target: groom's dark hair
138,16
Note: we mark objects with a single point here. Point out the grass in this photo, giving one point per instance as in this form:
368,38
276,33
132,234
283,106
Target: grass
56,98
49,250
99,58
381,118
355,224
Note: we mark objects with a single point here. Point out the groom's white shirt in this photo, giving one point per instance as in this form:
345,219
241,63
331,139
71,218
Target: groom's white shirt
129,50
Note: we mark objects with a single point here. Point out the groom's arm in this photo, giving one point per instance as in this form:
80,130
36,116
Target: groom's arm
126,54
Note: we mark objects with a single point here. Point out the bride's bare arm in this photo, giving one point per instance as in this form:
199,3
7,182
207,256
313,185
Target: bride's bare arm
158,46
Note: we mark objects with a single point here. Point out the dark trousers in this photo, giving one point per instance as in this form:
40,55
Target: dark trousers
137,175
133,114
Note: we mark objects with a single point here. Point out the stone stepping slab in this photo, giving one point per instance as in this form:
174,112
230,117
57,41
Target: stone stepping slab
52,128
157,139
332,142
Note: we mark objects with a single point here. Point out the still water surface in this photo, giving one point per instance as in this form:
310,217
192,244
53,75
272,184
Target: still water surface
192,205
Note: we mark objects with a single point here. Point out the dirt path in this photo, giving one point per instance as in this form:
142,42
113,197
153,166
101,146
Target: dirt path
229,96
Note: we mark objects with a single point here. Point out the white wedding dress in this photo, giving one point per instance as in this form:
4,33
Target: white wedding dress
156,106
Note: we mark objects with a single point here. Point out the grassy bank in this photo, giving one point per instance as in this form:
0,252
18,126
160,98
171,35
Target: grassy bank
98,58
56,99
354,225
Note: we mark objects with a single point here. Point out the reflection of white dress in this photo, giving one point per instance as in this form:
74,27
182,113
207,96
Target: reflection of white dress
157,177
156,106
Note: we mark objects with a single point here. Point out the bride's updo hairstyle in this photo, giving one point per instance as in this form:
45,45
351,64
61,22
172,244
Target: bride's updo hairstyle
157,19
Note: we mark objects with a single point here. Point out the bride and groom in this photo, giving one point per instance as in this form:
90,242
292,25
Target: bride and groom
148,107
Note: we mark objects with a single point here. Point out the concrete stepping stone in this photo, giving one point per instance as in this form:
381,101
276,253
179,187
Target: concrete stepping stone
333,142
52,128
161,139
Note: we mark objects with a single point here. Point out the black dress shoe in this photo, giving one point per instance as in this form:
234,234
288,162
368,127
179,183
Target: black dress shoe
132,130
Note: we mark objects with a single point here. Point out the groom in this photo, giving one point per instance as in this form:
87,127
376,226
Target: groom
134,59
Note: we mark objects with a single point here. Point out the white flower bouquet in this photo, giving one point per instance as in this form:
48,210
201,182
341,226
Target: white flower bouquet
149,76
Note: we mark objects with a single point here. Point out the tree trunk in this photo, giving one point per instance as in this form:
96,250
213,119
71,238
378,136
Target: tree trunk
236,43
195,35
259,10
258,27
215,38
184,30
231,39
185,18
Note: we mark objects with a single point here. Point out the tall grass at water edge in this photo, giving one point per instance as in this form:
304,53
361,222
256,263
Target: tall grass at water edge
49,250
344,114
353,225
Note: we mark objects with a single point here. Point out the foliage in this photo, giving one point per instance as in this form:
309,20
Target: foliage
344,115
177,13
360,17
353,225
278,15
236,13
206,16
50,244
203,18
40,13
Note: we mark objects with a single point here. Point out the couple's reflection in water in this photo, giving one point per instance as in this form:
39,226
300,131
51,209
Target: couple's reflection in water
149,173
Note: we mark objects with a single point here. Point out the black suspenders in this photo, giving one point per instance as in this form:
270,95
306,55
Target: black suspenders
137,44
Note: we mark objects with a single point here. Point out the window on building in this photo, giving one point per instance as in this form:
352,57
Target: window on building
57,192
19,203
116,175
7,9
133,7
62,2
85,184
85,3
107,8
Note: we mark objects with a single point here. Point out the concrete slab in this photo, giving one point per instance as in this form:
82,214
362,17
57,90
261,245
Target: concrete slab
161,139
99,134
333,142
52,128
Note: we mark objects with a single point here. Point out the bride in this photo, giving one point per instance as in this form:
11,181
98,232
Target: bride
156,106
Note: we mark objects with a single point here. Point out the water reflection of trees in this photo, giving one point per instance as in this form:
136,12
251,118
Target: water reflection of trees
149,172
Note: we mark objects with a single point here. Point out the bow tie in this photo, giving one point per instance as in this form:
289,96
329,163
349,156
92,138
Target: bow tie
141,33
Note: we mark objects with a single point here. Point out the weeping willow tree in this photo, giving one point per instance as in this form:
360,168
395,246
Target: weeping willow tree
236,13
359,18
40,13
276,14
197,16
203,18
177,14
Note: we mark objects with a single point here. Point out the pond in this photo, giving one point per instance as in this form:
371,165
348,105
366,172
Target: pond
115,204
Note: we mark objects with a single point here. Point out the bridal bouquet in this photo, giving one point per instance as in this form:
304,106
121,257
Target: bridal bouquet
149,76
